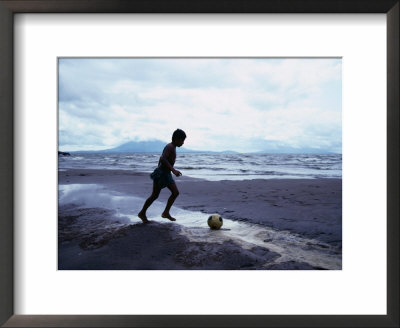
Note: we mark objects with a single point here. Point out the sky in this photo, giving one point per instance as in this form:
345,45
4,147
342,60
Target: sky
238,104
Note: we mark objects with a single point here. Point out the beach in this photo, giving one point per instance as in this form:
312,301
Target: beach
269,224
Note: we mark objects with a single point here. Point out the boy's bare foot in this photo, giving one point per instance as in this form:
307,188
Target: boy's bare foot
168,216
143,217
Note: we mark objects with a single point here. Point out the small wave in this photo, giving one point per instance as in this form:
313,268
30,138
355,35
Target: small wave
202,168
257,165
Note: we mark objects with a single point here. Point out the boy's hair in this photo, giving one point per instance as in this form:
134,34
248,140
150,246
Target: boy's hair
178,134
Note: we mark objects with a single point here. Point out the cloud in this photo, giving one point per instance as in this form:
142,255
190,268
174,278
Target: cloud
236,104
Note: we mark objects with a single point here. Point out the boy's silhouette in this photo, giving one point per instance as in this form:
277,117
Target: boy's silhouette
162,176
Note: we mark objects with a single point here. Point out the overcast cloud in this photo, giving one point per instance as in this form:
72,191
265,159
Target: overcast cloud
222,104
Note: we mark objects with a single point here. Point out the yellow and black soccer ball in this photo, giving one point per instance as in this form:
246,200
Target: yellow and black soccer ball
215,221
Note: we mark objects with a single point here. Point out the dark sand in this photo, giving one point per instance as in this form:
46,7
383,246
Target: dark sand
310,208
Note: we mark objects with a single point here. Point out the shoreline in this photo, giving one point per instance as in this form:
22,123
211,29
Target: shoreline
310,208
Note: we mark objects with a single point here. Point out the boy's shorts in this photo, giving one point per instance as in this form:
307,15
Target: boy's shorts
161,178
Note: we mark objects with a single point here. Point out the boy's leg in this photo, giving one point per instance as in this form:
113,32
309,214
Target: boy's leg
171,199
154,195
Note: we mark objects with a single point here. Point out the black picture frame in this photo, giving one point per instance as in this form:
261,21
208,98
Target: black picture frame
10,7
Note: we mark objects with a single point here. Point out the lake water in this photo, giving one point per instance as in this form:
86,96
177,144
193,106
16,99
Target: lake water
217,166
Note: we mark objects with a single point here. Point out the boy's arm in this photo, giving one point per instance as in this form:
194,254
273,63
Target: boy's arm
164,157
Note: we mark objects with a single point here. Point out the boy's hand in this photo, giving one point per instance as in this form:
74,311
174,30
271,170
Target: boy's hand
177,173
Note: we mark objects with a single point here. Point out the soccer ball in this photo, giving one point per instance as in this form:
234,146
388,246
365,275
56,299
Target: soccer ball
215,221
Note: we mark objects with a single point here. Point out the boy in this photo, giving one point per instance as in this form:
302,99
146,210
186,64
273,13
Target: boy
162,176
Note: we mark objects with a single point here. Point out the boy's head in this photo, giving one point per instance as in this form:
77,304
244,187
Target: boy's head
178,137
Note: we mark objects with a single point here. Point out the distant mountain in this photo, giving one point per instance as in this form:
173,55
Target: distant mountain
151,146
292,150
157,146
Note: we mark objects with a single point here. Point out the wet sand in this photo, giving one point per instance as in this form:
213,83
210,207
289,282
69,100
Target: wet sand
88,239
